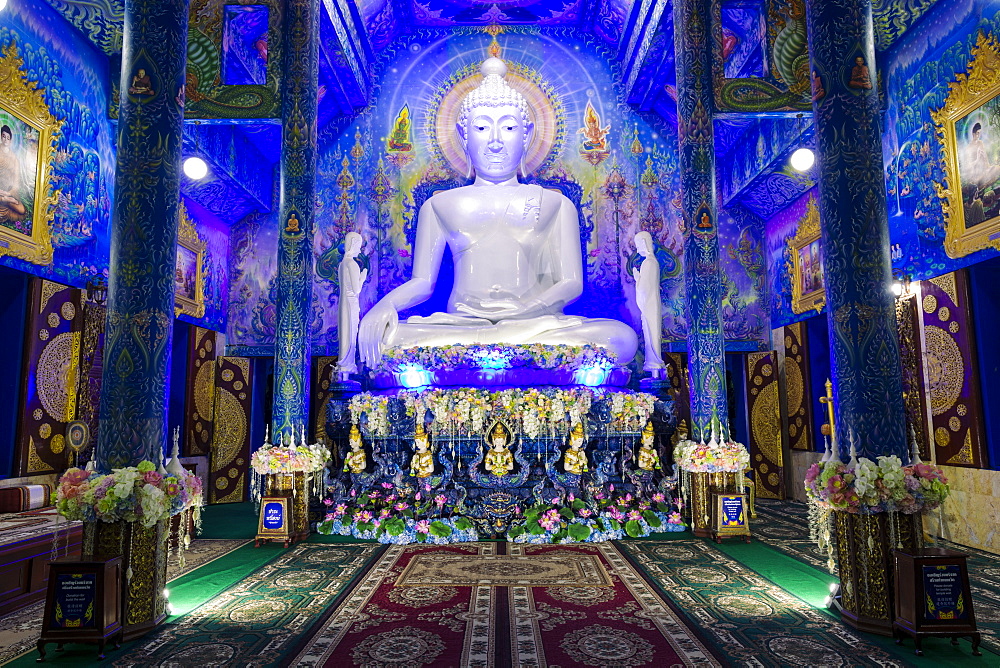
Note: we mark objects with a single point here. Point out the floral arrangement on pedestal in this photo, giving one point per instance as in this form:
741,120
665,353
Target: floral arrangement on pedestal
712,457
398,516
129,494
496,356
531,411
609,516
272,458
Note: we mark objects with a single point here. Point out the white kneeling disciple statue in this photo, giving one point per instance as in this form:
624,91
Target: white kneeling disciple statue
647,299
352,278
516,248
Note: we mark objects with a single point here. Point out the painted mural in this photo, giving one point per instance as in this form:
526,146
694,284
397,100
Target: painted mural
214,232
916,79
74,78
781,230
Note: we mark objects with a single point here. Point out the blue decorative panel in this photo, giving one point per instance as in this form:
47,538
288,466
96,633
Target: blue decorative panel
744,39
244,44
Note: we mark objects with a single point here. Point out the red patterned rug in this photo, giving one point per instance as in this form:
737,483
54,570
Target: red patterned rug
523,606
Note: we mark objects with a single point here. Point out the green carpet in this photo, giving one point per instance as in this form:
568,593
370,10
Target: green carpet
229,520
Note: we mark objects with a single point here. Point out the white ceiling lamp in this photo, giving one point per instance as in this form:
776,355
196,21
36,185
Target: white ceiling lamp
3,3
802,159
195,168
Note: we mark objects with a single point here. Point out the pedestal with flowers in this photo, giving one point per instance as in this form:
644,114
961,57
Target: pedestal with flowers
125,514
860,512
706,469
293,471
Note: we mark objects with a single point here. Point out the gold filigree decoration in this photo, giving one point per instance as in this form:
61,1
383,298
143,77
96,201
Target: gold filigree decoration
953,327
55,379
43,335
944,313
948,284
53,320
204,392
230,430
969,91
941,437
45,430
49,289
807,233
68,311
57,444
35,463
954,423
793,386
945,369
188,240
930,303
963,456
24,100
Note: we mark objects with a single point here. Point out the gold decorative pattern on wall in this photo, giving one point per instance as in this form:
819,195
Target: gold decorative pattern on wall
798,395
945,369
199,421
911,359
765,440
229,460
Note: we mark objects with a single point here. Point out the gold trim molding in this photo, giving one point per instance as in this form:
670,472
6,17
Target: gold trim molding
968,92
807,233
187,237
25,101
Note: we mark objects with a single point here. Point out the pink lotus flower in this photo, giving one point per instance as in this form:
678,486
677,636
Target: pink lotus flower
401,506
327,502
634,515
423,526
659,497
440,500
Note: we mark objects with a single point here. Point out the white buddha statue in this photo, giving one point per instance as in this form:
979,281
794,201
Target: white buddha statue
352,279
516,248
647,298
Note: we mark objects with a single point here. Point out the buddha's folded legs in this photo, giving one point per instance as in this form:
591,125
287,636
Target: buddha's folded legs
552,330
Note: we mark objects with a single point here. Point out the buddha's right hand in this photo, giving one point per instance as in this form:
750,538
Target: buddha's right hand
378,326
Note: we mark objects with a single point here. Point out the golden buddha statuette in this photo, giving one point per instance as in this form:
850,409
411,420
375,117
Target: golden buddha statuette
357,460
575,458
422,464
648,459
499,461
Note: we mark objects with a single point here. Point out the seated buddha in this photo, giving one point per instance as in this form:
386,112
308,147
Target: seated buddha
516,249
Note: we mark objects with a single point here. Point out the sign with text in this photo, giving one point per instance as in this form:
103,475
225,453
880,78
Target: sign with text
274,516
729,516
943,590
75,595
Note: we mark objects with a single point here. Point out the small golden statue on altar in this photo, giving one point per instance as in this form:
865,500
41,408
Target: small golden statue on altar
575,459
648,459
499,461
422,464
357,460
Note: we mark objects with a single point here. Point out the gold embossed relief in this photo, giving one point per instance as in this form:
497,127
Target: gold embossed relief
969,172
911,358
765,442
229,460
28,206
951,371
199,422
798,390
321,376
52,363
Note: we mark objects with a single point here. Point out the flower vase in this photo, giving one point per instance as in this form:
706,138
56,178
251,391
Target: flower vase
144,569
865,564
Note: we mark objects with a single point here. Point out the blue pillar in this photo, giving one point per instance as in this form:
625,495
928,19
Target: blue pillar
290,411
702,280
143,234
857,271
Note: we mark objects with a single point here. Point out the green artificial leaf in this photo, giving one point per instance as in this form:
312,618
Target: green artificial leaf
614,524
567,514
601,526
363,500
559,535
325,527
662,507
535,529
579,532
515,532
651,519
633,529
407,513
395,526
365,527
421,538
440,529
579,504
463,523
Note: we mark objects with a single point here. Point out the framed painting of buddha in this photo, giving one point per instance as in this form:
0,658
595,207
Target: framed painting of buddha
968,127
28,134
189,273
808,291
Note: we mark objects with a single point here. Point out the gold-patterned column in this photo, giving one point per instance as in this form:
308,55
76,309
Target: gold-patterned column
911,360
229,461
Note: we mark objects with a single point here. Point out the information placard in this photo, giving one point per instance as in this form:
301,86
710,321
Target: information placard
944,598
75,596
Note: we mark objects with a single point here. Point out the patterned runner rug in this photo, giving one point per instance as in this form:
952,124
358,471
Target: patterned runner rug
784,526
19,630
752,620
514,609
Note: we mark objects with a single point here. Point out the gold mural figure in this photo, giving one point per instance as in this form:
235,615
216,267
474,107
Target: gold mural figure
357,460
648,459
595,143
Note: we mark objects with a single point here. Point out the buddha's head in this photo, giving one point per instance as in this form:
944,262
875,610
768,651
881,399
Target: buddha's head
494,126
352,243
643,243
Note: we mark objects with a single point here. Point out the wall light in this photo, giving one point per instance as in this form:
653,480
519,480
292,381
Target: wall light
195,168
3,3
802,159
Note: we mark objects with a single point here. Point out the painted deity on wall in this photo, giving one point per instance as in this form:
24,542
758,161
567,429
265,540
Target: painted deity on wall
18,162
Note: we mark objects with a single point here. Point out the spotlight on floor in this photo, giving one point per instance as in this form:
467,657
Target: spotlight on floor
194,167
832,601
802,159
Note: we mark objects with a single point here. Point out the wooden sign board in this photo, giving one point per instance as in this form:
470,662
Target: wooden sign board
275,522
730,516
933,597
83,603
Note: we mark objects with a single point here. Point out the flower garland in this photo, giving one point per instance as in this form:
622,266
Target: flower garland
865,486
289,459
713,457
398,516
131,494
609,517
497,356
534,411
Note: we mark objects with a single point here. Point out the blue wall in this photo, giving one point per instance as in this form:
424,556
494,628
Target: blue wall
13,315
985,298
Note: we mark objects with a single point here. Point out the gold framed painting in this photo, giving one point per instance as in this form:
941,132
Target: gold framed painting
189,271
968,127
808,291
28,133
